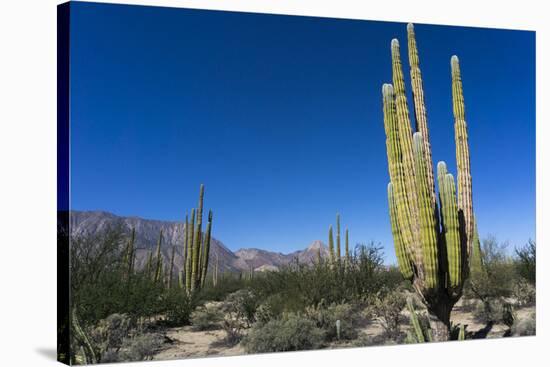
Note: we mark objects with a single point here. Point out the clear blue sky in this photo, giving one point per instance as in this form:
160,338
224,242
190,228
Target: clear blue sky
281,118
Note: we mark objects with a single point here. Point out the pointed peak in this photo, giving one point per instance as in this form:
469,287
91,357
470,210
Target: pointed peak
315,245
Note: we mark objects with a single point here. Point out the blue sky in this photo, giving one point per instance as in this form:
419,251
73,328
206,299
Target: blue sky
281,118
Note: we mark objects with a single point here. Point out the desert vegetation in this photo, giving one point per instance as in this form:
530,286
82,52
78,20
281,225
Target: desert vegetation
448,283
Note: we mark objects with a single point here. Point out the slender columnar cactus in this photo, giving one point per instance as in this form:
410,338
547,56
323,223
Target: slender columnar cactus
466,211
171,272
189,263
347,247
331,245
419,334
206,251
195,270
130,254
338,250
432,242
420,108
149,264
158,268
90,354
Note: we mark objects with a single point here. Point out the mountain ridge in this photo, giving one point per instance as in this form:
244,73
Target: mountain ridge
147,231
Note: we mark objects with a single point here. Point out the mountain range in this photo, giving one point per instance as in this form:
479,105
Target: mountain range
147,231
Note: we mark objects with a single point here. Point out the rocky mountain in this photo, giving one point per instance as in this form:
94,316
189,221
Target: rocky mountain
83,223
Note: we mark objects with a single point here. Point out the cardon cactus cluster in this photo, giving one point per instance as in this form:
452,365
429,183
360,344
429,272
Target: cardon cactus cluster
433,238
196,247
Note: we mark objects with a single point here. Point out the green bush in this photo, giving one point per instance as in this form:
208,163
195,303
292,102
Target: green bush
387,307
242,305
325,318
524,293
178,306
525,326
526,263
206,318
290,333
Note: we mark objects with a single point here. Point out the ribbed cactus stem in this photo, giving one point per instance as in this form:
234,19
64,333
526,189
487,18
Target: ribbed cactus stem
331,245
130,254
158,268
405,139
403,259
189,265
403,219
338,247
428,233
347,247
195,274
451,231
206,253
462,155
171,272
415,323
420,108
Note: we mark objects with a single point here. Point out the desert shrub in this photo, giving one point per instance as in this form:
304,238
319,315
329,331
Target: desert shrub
242,305
140,347
305,284
387,308
494,282
525,326
526,264
325,318
524,293
110,333
264,313
494,311
290,333
227,283
207,317
178,307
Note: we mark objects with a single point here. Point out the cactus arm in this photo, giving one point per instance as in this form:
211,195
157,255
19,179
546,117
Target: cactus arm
403,259
450,227
347,247
330,245
190,251
171,272
338,249
396,172
159,259
405,140
206,253
197,243
420,108
464,177
428,234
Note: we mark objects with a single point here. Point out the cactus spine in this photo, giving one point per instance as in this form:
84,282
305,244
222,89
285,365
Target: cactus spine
432,242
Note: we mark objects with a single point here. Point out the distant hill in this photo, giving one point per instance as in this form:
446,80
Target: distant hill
147,232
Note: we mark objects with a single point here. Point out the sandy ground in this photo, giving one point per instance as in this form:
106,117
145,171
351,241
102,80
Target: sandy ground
194,344
187,343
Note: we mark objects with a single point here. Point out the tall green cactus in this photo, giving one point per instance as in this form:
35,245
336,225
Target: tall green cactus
197,247
432,242
347,254
331,254
158,268
338,249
